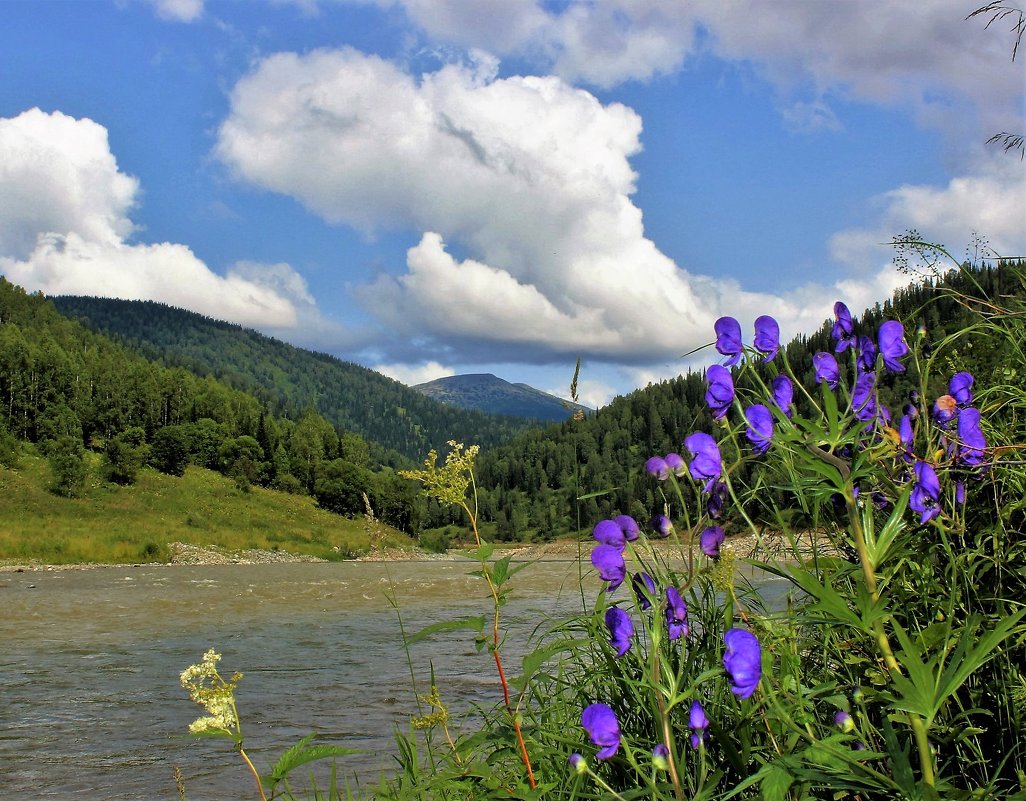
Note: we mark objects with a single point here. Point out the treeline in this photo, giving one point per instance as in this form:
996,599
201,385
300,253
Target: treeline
68,390
529,487
66,387
393,418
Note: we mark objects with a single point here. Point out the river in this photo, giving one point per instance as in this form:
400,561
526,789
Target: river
90,702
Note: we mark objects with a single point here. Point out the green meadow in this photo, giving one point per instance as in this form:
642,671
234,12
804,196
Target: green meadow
118,525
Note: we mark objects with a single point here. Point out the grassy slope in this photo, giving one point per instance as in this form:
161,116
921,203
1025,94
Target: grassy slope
111,524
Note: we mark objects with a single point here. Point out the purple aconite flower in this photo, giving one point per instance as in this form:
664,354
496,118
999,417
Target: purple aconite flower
578,763
661,757
728,339
843,721
906,437
767,337
608,560
972,443
717,500
866,361
599,720
743,661
698,723
863,397
706,464
719,393
961,388
760,427
629,526
656,466
645,588
662,526
945,409
891,339
925,493
826,369
843,332
621,629
783,394
676,614
609,532
960,493
710,541
675,463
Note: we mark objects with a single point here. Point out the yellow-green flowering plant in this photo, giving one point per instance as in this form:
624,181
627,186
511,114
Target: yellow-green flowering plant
208,688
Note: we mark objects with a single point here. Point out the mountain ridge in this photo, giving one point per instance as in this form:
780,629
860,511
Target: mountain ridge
291,379
489,393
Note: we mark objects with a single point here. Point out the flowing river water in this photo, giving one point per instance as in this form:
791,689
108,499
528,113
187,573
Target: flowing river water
90,701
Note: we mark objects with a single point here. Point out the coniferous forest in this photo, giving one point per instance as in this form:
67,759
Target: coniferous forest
145,383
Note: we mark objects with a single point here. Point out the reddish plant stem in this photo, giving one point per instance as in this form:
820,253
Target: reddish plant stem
498,659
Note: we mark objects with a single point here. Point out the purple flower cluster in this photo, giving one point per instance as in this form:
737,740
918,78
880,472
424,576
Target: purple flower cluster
729,344
719,393
743,661
621,629
705,464
612,537
700,459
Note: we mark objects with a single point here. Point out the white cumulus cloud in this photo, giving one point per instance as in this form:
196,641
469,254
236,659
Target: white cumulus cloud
66,229
530,177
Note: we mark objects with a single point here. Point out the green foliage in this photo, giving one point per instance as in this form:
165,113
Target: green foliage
136,523
67,466
893,670
398,423
342,487
9,447
169,452
124,455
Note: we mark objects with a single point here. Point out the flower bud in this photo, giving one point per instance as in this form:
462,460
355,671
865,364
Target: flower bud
661,757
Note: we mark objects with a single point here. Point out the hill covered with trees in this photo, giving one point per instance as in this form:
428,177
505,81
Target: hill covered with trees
73,393
529,486
65,387
290,380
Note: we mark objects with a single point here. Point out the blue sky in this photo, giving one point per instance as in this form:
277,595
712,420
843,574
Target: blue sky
430,187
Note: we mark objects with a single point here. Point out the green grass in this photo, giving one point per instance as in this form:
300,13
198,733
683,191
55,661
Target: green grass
112,524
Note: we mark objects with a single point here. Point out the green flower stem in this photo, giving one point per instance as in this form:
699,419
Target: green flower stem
253,770
664,717
883,643
237,736
601,783
496,640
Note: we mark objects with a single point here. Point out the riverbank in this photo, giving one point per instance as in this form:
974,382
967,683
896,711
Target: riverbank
744,546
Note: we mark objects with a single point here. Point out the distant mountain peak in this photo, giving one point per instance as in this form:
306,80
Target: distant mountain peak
489,393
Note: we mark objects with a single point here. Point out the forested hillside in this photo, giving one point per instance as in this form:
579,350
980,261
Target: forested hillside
530,485
67,389
63,383
290,380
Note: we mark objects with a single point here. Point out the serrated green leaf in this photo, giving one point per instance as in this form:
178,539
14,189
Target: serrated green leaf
775,783
475,623
303,753
500,570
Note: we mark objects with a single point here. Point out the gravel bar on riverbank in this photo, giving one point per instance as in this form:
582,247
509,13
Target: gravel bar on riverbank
767,545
